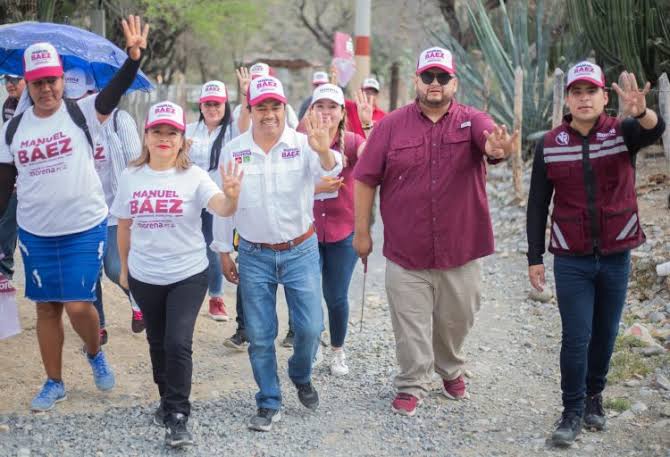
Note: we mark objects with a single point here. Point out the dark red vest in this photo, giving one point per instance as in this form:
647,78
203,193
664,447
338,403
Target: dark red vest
595,207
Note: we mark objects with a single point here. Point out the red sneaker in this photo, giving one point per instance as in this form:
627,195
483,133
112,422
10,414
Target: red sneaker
455,389
217,310
405,404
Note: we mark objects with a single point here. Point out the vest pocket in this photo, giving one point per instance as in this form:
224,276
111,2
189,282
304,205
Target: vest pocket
567,234
618,226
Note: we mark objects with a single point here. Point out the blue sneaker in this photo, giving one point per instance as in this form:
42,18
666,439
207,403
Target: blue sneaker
52,392
102,372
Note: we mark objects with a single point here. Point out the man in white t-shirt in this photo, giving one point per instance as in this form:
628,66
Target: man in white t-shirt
278,244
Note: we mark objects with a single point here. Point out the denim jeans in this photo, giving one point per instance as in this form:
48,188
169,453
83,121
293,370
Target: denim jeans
112,266
261,271
338,261
8,234
591,292
170,312
214,272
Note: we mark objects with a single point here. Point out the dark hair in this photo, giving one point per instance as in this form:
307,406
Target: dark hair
215,152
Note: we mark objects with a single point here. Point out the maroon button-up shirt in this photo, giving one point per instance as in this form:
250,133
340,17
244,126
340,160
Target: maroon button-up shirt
334,217
433,186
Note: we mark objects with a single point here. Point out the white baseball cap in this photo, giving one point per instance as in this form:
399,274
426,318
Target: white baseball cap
166,113
587,72
259,70
213,91
264,88
41,60
436,58
370,83
328,92
320,77
75,83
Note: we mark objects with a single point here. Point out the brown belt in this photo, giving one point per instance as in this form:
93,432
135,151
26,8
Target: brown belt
289,244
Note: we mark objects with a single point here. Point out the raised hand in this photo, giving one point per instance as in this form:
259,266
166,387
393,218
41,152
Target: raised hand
499,143
364,105
244,78
232,180
318,131
135,36
632,98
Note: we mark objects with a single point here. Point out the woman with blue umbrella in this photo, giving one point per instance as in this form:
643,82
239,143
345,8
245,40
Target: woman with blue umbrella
48,151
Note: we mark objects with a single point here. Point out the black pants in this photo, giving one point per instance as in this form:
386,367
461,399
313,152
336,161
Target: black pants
169,314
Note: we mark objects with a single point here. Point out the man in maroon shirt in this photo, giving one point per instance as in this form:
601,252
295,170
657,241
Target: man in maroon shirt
428,159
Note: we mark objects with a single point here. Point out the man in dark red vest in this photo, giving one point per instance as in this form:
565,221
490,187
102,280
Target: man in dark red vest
588,165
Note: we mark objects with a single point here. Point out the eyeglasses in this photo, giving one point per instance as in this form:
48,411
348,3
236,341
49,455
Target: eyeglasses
11,79
427,77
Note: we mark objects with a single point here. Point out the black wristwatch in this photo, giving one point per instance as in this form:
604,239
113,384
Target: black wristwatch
640,116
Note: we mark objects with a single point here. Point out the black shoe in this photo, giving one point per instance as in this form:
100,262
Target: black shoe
594,414
238,341
567,430
159,416
263,420
176,432
288,339
308,396
137,322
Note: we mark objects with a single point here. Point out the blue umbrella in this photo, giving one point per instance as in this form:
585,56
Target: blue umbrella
96,55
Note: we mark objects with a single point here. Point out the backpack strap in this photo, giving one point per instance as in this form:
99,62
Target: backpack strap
78,118
12,128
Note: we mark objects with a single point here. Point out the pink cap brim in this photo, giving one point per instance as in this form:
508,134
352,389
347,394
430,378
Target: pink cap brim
181,128
586,79
435,65
213,98
44,72
262,98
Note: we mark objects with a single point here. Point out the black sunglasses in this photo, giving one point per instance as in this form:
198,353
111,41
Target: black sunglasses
427,77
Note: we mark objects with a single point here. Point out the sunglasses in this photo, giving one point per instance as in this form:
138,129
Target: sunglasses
427,77
11,80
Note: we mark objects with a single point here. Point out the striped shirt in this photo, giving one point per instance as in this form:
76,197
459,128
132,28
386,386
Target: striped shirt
118,144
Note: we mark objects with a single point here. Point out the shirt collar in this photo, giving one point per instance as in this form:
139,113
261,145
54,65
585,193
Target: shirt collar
453,107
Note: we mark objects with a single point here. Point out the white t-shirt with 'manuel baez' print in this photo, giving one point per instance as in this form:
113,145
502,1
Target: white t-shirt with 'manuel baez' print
166,241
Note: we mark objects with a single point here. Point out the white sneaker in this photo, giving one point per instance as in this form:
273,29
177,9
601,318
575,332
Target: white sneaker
318,357
338,365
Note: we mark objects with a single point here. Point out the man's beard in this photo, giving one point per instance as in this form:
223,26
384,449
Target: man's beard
423,99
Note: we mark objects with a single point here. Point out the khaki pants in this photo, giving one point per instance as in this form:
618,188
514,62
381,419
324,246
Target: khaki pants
432,312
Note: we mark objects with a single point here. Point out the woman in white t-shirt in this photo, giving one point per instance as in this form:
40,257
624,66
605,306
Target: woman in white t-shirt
162,251
213,130
61,211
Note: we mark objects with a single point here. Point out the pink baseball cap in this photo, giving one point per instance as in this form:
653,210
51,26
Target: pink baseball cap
264,88
166,113
587,72
213,91
260,69
320,77
436,58
41,60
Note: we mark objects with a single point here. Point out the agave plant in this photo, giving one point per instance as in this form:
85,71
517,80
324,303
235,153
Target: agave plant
524,41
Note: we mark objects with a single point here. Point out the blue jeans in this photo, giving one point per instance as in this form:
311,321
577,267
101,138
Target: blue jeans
591,292
112,266
261,271
8,234
338,261
214,272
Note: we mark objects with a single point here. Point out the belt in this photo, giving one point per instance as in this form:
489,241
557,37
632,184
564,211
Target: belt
289,244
